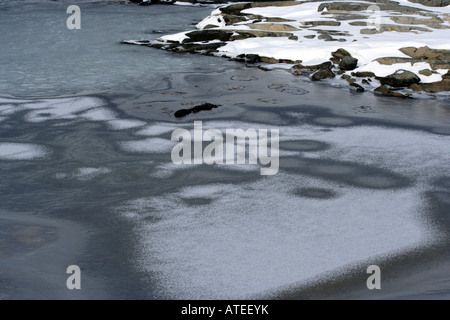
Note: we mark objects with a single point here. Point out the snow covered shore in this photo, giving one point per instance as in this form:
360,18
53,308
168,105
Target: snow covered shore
395,48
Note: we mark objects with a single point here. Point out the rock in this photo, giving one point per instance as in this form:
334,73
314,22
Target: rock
184,112
322,74
208,35
326,65
310,36
354,87
426,72
232,19
426,53
322,23
348,63
340,53
438,86
401,78
326,37
363,74
245,34
345,77
392,60
384,91
272,27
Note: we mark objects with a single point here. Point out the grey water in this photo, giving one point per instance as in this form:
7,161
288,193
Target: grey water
140,229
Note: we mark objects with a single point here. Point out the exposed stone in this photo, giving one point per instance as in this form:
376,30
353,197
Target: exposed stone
340,53
363,74
184,112
208,35
426,53
354,87
438,86
426,72
322,66
322,74
322,23
401,78
384,91
348,63
272,27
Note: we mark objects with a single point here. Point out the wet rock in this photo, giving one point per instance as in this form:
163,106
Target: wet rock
363,74
438,86
385,91
348,63
354,87
401,78
322,74
208,35
326,65
184,112
249,58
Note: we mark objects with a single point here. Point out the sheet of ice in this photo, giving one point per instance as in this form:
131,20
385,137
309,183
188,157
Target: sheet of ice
247,240
99,114
124,124
8,109
90,173
157,129
150,145
22,151
62,109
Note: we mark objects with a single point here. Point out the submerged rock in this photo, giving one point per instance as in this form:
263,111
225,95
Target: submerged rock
184,112
401,78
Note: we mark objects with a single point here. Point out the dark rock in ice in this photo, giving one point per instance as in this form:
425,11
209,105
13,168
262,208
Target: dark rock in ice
322,74
348,63
400,78
354,87
203,107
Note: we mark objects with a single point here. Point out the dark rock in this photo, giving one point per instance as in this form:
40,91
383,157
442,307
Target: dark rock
310,36
325,65
356,87
340,53
438,86
384,91
363,74
208,35
184,112
401,78
322,74
348,63
322,23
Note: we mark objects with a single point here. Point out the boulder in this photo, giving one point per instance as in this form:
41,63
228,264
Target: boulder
348,63
400,78
432,3
208,35
340,53
322,74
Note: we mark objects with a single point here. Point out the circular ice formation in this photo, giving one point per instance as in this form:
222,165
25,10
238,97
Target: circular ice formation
21,151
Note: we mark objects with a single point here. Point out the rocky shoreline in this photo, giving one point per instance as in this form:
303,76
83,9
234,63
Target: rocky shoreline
416,71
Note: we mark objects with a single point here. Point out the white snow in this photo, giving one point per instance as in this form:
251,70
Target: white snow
21,151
